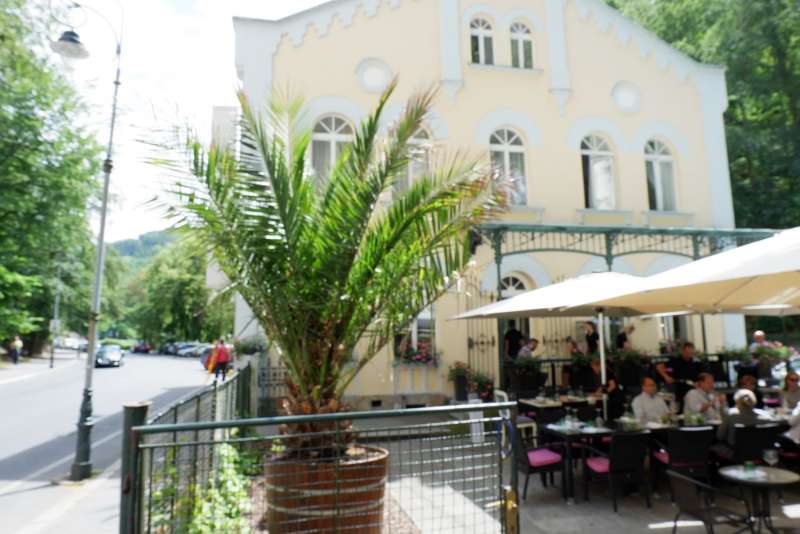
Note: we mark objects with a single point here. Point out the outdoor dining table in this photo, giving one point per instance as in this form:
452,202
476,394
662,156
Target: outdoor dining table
760,480
570,434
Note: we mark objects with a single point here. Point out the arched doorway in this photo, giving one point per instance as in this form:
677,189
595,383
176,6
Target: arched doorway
511,285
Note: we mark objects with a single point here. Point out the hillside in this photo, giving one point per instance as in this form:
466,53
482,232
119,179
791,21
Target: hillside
137,252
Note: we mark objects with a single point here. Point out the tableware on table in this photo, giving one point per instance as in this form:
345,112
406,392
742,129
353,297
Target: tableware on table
771,457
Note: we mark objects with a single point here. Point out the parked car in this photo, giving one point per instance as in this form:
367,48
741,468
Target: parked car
186,350
141,348
109,356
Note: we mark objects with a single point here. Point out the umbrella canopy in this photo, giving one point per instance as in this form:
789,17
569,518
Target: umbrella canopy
571,298
761,278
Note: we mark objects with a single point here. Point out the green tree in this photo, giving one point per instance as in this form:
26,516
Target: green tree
759,44
319,263
170,300
48,164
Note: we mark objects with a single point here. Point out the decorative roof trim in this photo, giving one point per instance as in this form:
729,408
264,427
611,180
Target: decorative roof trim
321,17
666,56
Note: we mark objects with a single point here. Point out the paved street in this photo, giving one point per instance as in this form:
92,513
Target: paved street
37,440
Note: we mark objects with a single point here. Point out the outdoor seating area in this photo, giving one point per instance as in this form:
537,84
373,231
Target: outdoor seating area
646,470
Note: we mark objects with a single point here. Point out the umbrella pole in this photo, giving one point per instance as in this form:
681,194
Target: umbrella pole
703,330
601,322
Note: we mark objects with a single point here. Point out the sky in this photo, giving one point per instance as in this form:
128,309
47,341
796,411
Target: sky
177,63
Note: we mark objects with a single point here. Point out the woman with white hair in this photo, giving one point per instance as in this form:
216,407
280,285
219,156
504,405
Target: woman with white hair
743,414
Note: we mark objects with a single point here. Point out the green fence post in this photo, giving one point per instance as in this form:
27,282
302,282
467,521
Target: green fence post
134,414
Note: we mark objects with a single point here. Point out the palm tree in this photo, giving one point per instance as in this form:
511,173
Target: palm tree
322,265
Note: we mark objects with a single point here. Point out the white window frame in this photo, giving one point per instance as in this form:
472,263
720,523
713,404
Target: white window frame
420,146
512,285
481,29
520,35
426,314
597,149
333,136
657,152
506,141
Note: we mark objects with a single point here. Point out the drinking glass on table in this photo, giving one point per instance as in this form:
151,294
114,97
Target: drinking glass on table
770,457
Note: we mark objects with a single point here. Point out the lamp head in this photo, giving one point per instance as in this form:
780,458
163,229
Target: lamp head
69,46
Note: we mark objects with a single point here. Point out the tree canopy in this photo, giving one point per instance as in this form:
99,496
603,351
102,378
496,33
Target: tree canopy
48,166
759,44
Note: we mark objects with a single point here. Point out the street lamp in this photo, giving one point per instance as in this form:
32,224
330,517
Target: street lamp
69,46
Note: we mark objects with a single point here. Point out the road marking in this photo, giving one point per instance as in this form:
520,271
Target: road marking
14,485
47,520
31,375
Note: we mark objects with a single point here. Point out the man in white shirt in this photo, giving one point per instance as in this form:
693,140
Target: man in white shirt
702,400
648,407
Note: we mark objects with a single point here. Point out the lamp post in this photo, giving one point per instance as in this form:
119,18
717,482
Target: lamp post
69,46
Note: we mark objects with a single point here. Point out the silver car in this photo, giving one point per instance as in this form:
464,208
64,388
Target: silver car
109,356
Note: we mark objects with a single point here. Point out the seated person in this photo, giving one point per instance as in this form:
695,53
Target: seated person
750,383
703,400
681,372
647,406
742,414
530,346
590,382
790,441
790,394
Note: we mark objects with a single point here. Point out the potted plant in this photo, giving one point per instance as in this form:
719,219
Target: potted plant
482,385
459,374
322,269
527,376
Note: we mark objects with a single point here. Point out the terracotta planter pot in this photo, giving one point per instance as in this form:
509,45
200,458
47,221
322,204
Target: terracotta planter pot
327,496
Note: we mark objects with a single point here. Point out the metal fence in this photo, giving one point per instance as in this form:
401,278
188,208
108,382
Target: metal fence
433,470
217,401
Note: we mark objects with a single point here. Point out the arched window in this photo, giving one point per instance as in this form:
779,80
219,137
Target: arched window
521,46
507,153
660,169
329,138
511,285
481,42
597,161
420,145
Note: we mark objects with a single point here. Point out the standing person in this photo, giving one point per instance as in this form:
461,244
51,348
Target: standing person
623,338
513,341
16,350
759,340
223,359
790,394
592,337
682,373
647,406
702,400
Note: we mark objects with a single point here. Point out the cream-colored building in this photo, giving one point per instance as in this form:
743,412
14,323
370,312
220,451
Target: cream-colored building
604,130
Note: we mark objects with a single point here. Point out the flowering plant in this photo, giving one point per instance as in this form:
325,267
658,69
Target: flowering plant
422,354
481,383
458,369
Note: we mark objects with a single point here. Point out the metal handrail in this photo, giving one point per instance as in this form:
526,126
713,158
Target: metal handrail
292,419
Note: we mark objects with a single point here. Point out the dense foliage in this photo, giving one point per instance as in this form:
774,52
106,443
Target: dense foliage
168,299
759,44
48,165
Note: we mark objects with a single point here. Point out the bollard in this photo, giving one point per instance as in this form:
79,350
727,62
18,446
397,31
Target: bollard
134,414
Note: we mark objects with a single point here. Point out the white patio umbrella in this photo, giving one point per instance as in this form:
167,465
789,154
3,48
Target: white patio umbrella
571,298
761,278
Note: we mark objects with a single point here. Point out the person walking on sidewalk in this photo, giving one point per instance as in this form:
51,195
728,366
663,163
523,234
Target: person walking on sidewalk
16,350
222,360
